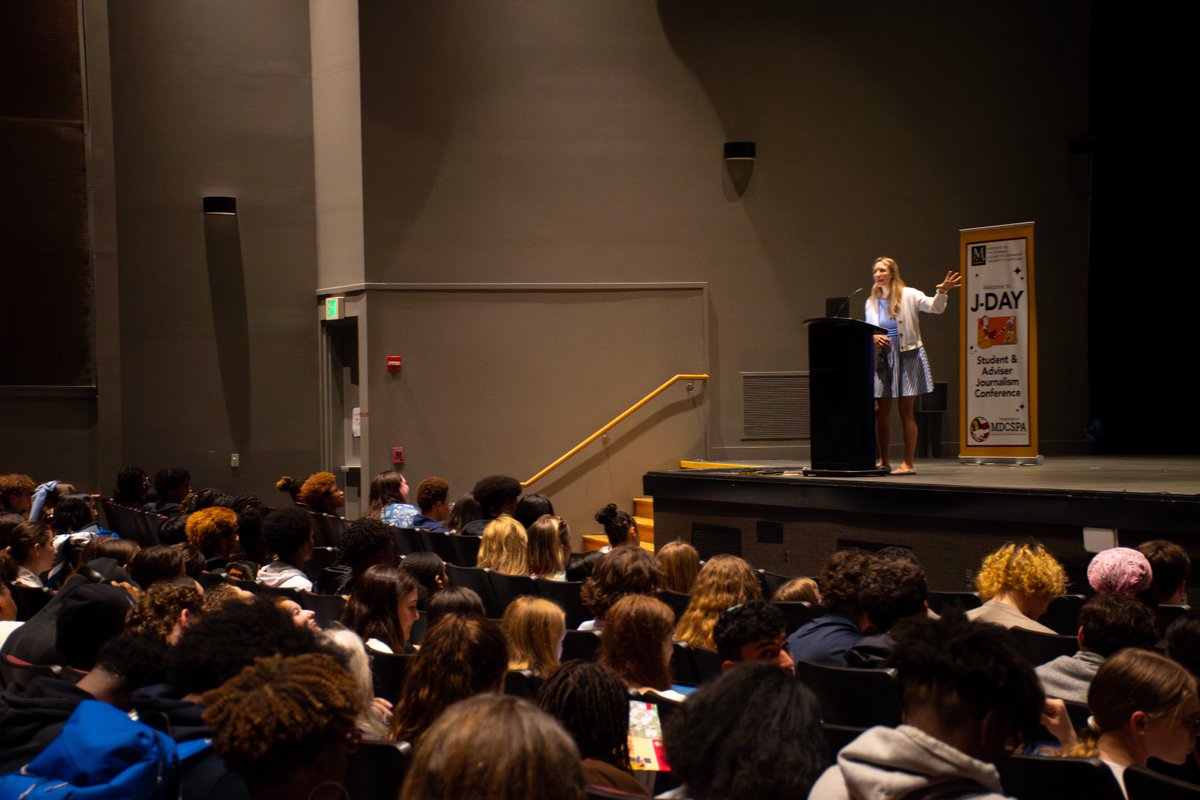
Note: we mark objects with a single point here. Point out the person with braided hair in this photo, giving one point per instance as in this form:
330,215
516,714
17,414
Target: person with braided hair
285,725
590,701
461,657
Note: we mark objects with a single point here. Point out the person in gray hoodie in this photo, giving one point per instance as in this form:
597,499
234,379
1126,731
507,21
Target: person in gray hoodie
966,696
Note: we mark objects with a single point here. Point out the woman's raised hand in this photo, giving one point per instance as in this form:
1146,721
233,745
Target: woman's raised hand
953,281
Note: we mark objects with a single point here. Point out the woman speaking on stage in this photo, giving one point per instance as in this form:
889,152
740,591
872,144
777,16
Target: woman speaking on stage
901,366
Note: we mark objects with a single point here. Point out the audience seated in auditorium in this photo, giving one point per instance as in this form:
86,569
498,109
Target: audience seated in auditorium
389,500
495,746
454,600
1170,567
16,494
723,581
504,547
1120,570
213,531
497,495
253,552
1016,584
290,486
752,631
28,555
461,657
301,616
463,512
429,571
365,543
966,695
590,701
382,609
171,486
581,565
799,590
375,713
620,572
547,556
638,644
534,629
289,536
32,714
1107,623
285,724
320,493
193,559
825,639
531,507
173,530
209,497
433,503
133,484
621,529
753,732
679,563
1143,706
894,589
122,551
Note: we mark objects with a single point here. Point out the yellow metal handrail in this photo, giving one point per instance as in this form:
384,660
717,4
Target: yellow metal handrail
620,417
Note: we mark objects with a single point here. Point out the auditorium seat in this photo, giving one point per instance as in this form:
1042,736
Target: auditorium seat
580,644
850,696
328,608
506,588
566,595
15,672
1168,614
1062,616
708,664
678,601
376,770
322,557
1146,784
466,549
327,529
523,683
939,601
475,579
437,542
838,736
1038,648
797,612
1051,778
683,665
388,671
770,582
408,541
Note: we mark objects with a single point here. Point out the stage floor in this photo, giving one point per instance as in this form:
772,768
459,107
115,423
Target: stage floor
951,514
1175,475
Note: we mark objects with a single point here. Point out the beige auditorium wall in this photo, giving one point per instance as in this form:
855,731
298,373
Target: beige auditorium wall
507,378
217,341
535,141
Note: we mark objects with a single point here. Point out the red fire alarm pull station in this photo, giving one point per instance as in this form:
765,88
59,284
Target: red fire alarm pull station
393,363
397,455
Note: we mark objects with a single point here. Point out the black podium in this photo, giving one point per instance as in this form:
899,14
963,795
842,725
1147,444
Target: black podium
841,369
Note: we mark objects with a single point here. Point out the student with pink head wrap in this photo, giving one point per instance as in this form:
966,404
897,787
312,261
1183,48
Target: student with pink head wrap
1120,570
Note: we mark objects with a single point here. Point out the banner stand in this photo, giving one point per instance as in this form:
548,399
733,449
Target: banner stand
998,387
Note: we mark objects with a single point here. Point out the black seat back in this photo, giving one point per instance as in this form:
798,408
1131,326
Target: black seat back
566,595
475,579
850,696
1038,648
376,770
1043,778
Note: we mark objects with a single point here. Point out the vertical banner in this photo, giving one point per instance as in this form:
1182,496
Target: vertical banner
998,342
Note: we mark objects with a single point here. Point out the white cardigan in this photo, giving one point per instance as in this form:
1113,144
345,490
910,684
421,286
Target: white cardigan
911,301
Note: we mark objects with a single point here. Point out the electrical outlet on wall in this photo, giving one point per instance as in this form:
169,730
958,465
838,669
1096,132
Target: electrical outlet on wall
235,460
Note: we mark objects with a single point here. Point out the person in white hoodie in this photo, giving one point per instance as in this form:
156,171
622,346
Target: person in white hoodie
966,696
290,538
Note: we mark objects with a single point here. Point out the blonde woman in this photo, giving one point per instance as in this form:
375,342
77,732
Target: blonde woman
901,366
534,629
1017,583
722,582
546,557
680,564
504,547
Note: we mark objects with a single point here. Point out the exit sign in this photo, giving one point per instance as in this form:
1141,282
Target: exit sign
333,308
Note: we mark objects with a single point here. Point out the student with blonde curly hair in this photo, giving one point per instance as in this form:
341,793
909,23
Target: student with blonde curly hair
1017,583
504,547
723,581
534,629
285,724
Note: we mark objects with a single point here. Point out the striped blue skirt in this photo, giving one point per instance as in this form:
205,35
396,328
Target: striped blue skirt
912,378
